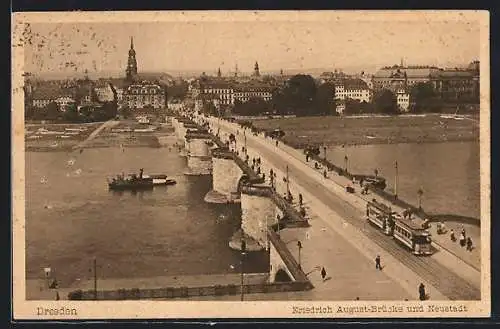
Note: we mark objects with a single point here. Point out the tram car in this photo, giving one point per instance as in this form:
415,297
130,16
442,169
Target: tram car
381,216
413,236
407,232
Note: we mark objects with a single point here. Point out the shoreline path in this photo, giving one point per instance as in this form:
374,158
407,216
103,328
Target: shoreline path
95,133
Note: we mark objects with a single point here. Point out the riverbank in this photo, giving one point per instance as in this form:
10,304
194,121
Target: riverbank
57,137
364,130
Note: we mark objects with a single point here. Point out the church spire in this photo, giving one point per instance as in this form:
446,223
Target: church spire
219,74
131,71
256,71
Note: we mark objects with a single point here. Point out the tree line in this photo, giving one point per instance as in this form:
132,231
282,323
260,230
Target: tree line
71,114
301,96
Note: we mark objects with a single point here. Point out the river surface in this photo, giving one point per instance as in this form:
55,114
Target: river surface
448,173
71,217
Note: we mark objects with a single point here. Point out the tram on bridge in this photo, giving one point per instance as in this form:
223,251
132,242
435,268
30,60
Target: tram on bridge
408,232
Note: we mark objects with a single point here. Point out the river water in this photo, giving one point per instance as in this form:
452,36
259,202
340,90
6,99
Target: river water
71,217
448,173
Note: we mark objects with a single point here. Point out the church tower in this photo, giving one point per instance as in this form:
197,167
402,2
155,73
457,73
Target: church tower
219,74
256,72
131,71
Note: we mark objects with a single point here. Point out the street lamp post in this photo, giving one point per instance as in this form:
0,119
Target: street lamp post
245,137
345,162
243,249
396,180
324,151
287,183
95,278
299,245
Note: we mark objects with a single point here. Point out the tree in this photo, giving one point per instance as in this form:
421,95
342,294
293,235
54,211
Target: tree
424,98
385,102
254,106
325,99
297,97
210,109
178,90
125,112
71,114
52,111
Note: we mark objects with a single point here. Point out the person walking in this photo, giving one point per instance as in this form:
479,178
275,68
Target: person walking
300,199
453,238
469,244
378,266
421,292
323,273
462,239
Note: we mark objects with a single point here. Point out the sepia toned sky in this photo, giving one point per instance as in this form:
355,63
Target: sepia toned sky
207,45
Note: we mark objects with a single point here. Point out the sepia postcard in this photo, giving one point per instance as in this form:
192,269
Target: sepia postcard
250,164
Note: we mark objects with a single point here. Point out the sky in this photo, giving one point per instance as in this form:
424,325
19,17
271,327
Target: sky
276,44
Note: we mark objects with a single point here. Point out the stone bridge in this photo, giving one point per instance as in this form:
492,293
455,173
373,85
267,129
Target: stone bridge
234,181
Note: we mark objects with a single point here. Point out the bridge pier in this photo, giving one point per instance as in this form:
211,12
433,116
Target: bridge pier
226,178
199,160
258,212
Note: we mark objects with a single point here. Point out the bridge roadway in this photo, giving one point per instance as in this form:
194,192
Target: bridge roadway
443,279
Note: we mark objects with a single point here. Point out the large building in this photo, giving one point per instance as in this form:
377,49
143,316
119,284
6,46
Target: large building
450,84
244,92
143,95
395,77
105,92
458,84
355,89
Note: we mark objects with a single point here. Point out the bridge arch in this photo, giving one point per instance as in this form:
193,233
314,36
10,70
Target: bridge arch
282,276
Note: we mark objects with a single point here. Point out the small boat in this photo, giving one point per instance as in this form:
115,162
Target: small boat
131,182
161,180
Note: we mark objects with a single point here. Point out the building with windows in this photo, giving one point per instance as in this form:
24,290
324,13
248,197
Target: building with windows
64,101
394,77
105,92
41,97
144,94
221,89
457,84
403,99
244,92
353,89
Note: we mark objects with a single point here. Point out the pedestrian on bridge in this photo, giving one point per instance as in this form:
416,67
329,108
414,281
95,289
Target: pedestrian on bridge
469,244
277,142
421,292
377,263
300,199
323,273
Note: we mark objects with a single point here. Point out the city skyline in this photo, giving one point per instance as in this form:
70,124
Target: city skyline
338,42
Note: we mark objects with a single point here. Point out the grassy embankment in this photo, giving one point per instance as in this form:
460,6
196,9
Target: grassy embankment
332,130
109,137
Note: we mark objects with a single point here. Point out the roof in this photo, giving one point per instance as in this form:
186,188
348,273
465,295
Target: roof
411,71
47,93
354,84
452,74
252,87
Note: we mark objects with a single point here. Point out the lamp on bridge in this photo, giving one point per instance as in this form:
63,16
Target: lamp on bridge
299,245
243,249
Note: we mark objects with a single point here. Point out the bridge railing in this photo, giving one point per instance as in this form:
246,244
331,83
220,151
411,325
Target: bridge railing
288,258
